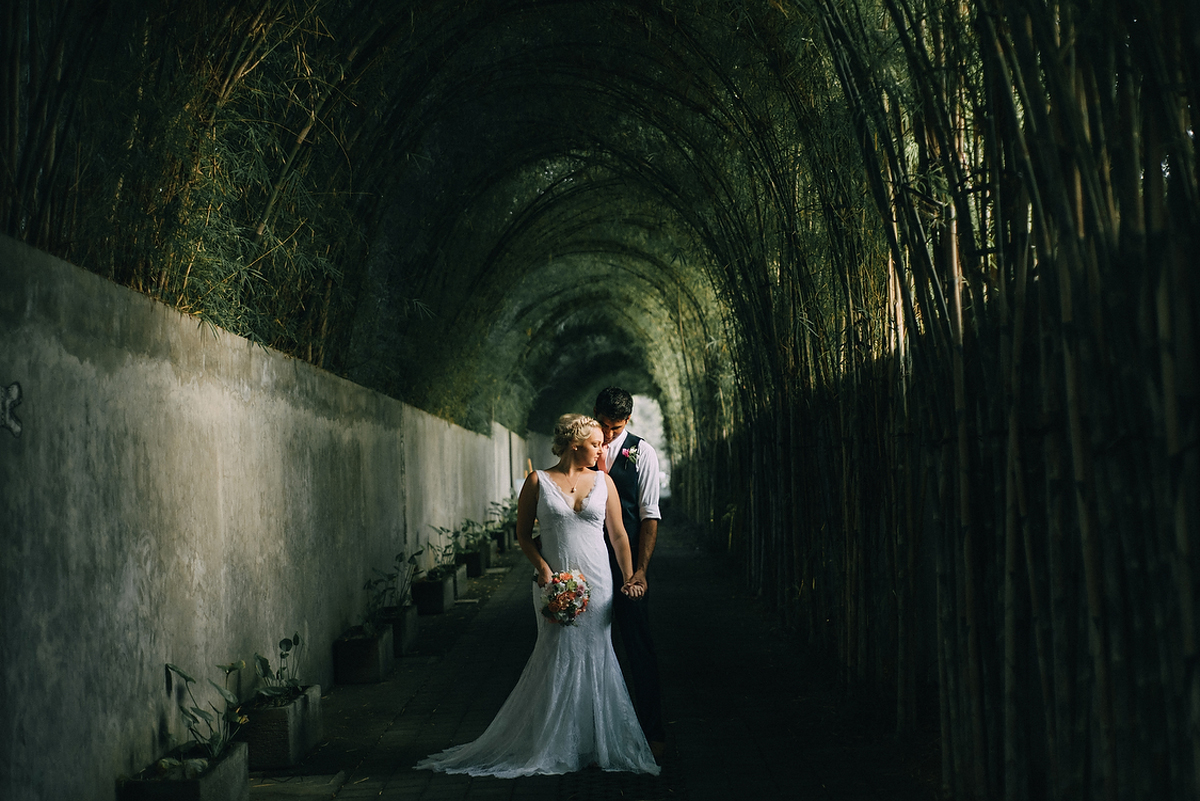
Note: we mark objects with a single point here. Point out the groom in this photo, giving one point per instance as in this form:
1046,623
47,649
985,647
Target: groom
633,466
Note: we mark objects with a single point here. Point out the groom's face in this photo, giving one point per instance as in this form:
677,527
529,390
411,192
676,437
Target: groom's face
611,429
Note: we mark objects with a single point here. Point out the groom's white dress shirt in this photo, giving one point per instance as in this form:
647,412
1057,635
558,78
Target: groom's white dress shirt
648,474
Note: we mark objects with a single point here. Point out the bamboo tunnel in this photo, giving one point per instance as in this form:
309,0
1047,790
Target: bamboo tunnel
914,282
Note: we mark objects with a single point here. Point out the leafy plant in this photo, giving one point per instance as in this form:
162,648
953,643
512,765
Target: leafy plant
502,523
504,512
443,559
219,724
391,588
281,686
471,536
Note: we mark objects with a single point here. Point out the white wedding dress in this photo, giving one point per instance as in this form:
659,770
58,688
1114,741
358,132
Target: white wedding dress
570,708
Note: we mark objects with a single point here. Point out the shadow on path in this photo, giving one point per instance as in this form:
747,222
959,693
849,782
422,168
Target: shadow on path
746,718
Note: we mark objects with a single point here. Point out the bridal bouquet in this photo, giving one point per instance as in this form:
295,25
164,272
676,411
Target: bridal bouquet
565,597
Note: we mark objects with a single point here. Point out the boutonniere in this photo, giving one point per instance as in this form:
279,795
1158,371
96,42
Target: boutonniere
630,453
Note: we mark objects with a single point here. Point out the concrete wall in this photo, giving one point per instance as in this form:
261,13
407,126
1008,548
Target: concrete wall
181,495
453,475
540,454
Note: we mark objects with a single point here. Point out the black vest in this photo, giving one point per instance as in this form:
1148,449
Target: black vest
624,473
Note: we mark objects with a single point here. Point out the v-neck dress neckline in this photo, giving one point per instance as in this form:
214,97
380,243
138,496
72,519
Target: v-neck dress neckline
583,504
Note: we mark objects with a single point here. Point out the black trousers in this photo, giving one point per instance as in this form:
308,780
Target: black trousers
632,619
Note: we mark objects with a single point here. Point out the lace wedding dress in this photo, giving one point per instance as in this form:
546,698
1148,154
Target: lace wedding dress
570,708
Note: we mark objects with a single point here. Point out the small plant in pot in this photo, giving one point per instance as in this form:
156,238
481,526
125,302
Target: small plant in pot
392,588
278,687
433,593
220,725
391,600
448,561
285,715
472,547
503,526
364,654
444,561
211,765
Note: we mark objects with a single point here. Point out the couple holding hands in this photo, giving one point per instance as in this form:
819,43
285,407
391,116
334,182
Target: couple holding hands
570,708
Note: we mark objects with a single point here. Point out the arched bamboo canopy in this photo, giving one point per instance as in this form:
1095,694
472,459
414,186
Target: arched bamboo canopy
913,282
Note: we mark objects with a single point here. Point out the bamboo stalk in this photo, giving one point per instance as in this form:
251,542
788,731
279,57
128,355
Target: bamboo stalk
1015,516
1176,451
905,526
970,613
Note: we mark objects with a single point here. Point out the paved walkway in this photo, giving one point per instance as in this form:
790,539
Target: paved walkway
744,718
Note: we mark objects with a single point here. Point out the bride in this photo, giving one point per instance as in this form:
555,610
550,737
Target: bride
570,708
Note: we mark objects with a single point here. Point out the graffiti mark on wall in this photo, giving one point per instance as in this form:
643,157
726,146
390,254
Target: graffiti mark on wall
10,399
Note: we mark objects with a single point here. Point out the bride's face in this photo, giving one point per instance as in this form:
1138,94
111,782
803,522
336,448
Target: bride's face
589,449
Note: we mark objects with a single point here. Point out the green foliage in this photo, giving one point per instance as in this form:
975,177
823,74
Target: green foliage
504,514
471,536
219,724
468,537
196,167
364,190
278,687
443,555
391,587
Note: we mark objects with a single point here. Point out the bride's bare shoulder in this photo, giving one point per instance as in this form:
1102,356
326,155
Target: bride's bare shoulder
531,483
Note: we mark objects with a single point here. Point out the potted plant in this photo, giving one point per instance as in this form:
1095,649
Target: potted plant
504,525
433,592
285,716
473,547
391,595
365,653
448,561
210,767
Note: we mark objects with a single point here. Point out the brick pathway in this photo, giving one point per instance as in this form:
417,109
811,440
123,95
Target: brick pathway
743,718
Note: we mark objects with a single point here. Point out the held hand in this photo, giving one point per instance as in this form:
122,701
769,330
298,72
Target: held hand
633,589
639,578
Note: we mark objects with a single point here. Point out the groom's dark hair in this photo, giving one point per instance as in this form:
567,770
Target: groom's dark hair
614,403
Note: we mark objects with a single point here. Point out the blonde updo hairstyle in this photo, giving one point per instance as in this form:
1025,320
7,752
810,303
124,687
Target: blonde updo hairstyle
571,429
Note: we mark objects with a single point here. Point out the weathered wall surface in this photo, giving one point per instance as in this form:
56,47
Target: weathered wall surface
453,475
181,495
540,454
